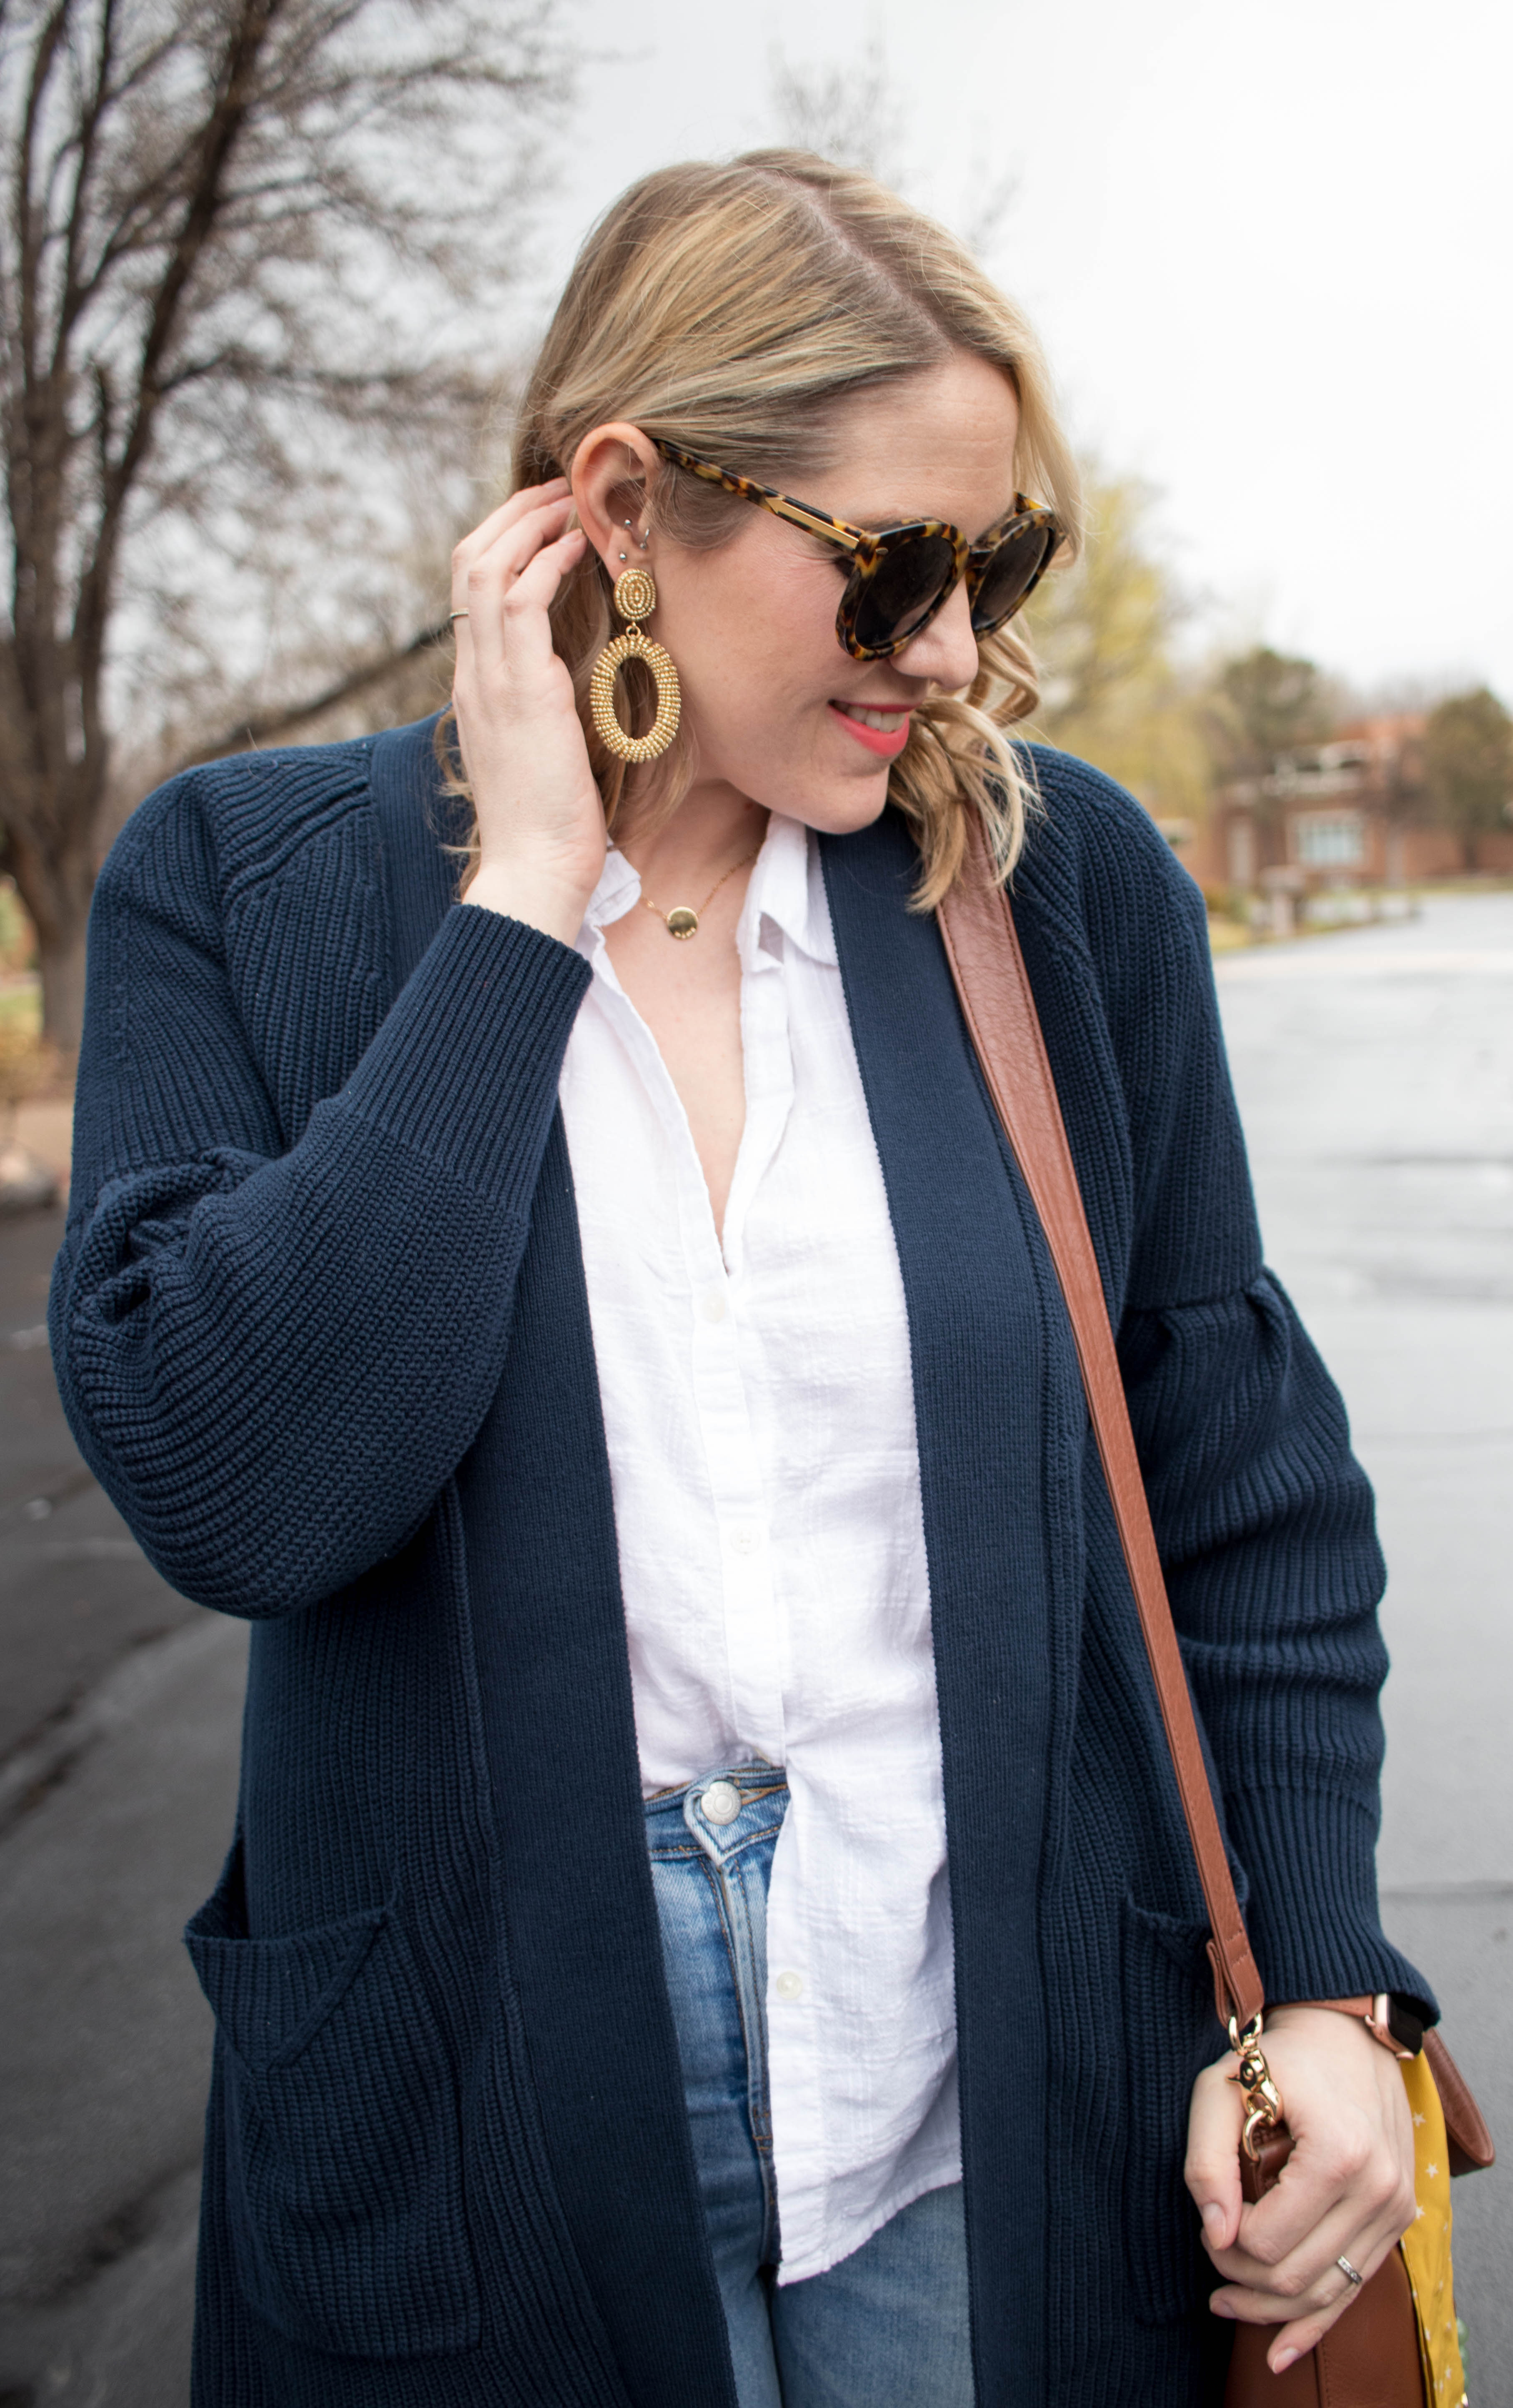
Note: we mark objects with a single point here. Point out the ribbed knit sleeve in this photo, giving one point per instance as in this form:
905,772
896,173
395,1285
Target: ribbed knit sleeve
273,1356
1265,1520
1266,1531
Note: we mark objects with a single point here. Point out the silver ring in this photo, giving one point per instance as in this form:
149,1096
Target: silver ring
458,614
1346,2268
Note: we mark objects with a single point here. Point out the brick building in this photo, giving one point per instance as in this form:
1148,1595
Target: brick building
1352,812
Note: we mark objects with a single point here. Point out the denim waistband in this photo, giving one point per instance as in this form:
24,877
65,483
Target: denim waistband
720,1813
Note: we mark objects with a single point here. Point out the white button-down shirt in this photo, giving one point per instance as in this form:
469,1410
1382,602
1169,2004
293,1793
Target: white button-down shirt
759,1420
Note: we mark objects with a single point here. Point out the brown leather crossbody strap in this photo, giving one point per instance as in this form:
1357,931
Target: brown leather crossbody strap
983,950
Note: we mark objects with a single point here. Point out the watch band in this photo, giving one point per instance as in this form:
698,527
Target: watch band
1386,2017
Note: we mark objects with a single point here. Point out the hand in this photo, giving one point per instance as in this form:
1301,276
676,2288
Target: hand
1346,2191
541,828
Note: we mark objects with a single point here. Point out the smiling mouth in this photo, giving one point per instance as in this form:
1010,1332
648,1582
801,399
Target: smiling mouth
882,729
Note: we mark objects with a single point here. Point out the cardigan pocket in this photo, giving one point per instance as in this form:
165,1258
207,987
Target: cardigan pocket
343,2143
1171,2035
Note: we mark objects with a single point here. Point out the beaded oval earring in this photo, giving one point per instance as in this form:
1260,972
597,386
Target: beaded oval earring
635,598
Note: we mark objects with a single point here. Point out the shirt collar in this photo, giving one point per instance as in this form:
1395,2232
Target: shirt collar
787,888
617,892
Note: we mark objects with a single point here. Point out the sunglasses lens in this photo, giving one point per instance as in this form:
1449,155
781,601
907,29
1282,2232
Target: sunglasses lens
902,589
1010,575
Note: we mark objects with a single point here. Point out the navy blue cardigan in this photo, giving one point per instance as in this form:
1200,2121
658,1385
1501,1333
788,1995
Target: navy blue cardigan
321,1327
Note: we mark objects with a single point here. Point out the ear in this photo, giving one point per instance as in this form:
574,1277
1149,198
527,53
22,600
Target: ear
614,469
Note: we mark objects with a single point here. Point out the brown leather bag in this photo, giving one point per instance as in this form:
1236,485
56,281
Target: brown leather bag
1369,2359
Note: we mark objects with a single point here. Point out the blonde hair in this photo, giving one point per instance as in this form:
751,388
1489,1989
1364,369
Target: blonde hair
733,311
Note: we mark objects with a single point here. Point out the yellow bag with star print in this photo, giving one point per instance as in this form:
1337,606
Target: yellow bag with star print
1426,2243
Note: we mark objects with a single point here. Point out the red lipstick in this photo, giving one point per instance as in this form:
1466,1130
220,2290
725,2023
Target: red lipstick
877,740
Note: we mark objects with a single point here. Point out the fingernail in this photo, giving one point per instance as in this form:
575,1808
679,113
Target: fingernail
1222,2308
1283,2359
1213,2220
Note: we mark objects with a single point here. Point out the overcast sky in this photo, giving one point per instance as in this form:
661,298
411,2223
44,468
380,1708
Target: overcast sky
1268,250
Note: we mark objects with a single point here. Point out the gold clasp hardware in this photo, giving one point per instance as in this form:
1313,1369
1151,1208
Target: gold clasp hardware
1263,2099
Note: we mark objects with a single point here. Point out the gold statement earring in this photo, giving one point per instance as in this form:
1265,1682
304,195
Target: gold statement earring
635,598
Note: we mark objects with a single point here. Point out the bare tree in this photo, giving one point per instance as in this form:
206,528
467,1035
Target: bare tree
851,113
242,246
854,112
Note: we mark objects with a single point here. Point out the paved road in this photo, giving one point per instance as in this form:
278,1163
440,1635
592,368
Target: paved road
119,1721
1376,1074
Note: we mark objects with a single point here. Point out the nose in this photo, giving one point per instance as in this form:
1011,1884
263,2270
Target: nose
946,652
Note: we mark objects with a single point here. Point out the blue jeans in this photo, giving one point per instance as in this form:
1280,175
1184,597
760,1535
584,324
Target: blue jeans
886,2328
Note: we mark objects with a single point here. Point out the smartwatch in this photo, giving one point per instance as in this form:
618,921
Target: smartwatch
1386,2017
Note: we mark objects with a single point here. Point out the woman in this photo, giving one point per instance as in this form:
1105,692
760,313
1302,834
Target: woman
710,1920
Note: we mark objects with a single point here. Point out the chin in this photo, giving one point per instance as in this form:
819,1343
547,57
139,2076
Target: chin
831,809
835,803
856,806
834,800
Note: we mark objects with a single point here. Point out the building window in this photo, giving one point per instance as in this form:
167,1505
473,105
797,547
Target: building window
1330,841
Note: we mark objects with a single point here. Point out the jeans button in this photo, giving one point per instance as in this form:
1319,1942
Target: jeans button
720,1803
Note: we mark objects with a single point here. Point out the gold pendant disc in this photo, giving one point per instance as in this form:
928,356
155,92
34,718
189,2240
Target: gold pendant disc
682,923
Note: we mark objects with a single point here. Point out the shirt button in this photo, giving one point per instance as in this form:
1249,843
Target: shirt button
789,1985
720,1803
745,1538
713,1304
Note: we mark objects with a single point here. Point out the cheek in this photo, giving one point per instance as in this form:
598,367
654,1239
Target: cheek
758,678
757,651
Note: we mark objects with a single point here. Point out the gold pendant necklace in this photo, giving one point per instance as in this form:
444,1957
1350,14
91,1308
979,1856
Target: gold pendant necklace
682,920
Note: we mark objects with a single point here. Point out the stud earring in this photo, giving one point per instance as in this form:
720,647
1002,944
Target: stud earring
635,598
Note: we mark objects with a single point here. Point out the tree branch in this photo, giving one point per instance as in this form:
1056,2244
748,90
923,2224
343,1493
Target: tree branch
27,246
91,117
228,116
250,734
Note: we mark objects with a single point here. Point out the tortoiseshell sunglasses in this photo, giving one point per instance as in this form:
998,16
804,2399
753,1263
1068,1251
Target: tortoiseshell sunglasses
901,574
